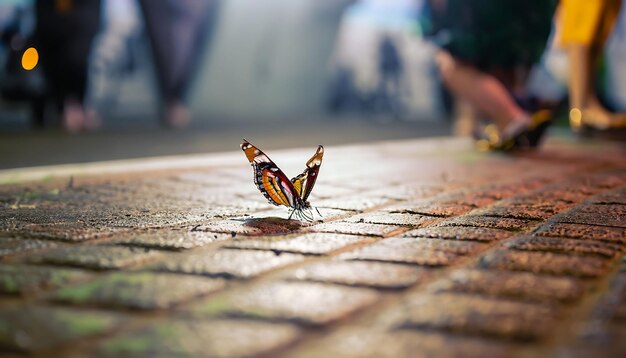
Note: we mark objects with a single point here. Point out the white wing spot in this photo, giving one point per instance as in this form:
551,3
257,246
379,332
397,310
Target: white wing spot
274,169
256,152
261,159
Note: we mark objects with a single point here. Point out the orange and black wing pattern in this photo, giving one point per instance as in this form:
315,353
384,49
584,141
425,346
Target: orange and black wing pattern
304,182
269,179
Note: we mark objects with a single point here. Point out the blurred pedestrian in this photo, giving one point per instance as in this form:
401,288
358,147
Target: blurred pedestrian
177,31
487,48
583,27
64,32
390,70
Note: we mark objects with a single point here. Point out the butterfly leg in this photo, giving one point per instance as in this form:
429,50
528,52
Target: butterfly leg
291,214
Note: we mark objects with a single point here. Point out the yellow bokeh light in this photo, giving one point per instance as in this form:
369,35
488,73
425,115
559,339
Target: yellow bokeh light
575,117
30,58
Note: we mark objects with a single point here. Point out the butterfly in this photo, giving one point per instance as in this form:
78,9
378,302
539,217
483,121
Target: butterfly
275,185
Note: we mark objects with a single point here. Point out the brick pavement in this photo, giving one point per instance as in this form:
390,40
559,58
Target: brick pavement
426,248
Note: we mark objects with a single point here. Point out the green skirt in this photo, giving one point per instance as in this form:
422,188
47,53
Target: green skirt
488,33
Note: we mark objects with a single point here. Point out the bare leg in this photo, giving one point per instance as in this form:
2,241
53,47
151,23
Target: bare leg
481,90
465,118
585,107
579,75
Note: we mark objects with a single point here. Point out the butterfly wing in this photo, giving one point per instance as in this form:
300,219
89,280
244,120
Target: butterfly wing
269,179
303,183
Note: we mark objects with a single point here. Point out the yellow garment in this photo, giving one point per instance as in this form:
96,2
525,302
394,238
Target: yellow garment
587,22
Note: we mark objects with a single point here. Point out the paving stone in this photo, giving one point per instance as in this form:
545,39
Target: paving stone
508,189
312,243
607,179
478,316
582,231
611,307
603,339
473,198
460,233
357,273
420,251
552,194
366,229
353,202
227,263
490,222
99,257
15,245
369,343
612,197
92,216
408,191
400,219
139,290
33,328
547,263
302,302
462,193
510,285
233,207
215,338
67,232
171,239
535,211
26,279
431,207
603,331
601,215
559,192
205,178
564,245
253,227
587,185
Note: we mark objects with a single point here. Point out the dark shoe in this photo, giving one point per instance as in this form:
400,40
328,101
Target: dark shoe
529,138
539,122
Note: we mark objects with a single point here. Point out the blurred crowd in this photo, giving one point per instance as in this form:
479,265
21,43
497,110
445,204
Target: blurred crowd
91,40
501,69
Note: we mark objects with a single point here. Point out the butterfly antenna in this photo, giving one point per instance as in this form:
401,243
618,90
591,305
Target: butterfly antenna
318,211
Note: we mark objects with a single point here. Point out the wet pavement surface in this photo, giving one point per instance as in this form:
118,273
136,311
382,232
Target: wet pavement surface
424,248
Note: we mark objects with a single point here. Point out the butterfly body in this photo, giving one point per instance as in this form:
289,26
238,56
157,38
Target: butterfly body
277,188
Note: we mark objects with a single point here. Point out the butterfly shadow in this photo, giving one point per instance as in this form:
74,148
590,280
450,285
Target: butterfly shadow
275,225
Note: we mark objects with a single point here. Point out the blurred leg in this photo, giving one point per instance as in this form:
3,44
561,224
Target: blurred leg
465,118
482,91
176,29
64,33
586,26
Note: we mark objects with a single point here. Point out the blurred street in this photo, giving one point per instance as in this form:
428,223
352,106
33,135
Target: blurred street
25,148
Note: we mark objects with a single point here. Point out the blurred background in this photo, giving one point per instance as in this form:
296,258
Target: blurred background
111,79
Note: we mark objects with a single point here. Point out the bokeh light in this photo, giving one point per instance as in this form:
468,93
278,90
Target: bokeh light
30,58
